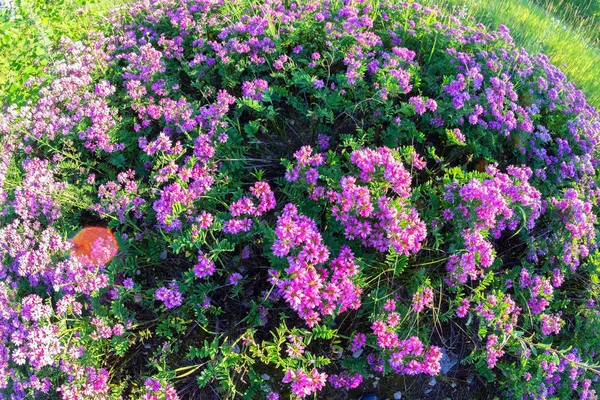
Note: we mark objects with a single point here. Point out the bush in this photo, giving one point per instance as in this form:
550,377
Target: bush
308,198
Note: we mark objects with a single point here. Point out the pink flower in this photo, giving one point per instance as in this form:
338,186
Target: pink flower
417,161
304,384
422,298
462,310
390,305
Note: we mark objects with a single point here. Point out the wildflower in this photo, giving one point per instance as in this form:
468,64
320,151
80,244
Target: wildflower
171,297
418,103
389,305
204,267
358,342
345,380
235,278
128,283
462,310
152,384
422,298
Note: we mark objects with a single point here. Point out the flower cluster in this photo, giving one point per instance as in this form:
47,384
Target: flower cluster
171,297
409,357
378,222
488,206
155,390
499,311
542,291
119,198
255,89
494,351
422,299
345,380
308,289
579,221
152,129
304,384
245,206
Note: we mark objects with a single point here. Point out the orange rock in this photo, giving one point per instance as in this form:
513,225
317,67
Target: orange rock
84,240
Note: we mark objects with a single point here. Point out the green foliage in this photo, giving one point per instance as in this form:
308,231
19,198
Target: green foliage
464,233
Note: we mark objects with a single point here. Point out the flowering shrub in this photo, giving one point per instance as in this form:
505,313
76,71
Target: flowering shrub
306,198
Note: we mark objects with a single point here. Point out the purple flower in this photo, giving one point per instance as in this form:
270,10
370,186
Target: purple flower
169,296
418,103
128,283
204,267
152,384
235,278
358,342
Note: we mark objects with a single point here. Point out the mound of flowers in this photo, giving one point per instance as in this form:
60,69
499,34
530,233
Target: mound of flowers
298,199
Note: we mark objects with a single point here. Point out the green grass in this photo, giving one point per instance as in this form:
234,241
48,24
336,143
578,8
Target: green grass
29,35
551,27
583,16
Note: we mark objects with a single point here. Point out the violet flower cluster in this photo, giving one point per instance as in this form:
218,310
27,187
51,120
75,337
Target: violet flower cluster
488,206
308,287
378,222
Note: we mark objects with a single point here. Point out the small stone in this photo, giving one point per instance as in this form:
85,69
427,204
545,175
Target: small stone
448,361
265,377
397,396
432,382
470,379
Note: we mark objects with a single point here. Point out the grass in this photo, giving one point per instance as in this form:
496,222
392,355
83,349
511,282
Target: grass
30,29
553,27
583,16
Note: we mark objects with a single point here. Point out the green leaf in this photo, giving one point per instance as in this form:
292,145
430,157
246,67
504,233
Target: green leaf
323,332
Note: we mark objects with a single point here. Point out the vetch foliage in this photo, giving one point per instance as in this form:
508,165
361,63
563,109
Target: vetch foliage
307,198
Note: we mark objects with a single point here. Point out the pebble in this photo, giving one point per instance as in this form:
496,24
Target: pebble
357,353
448,361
